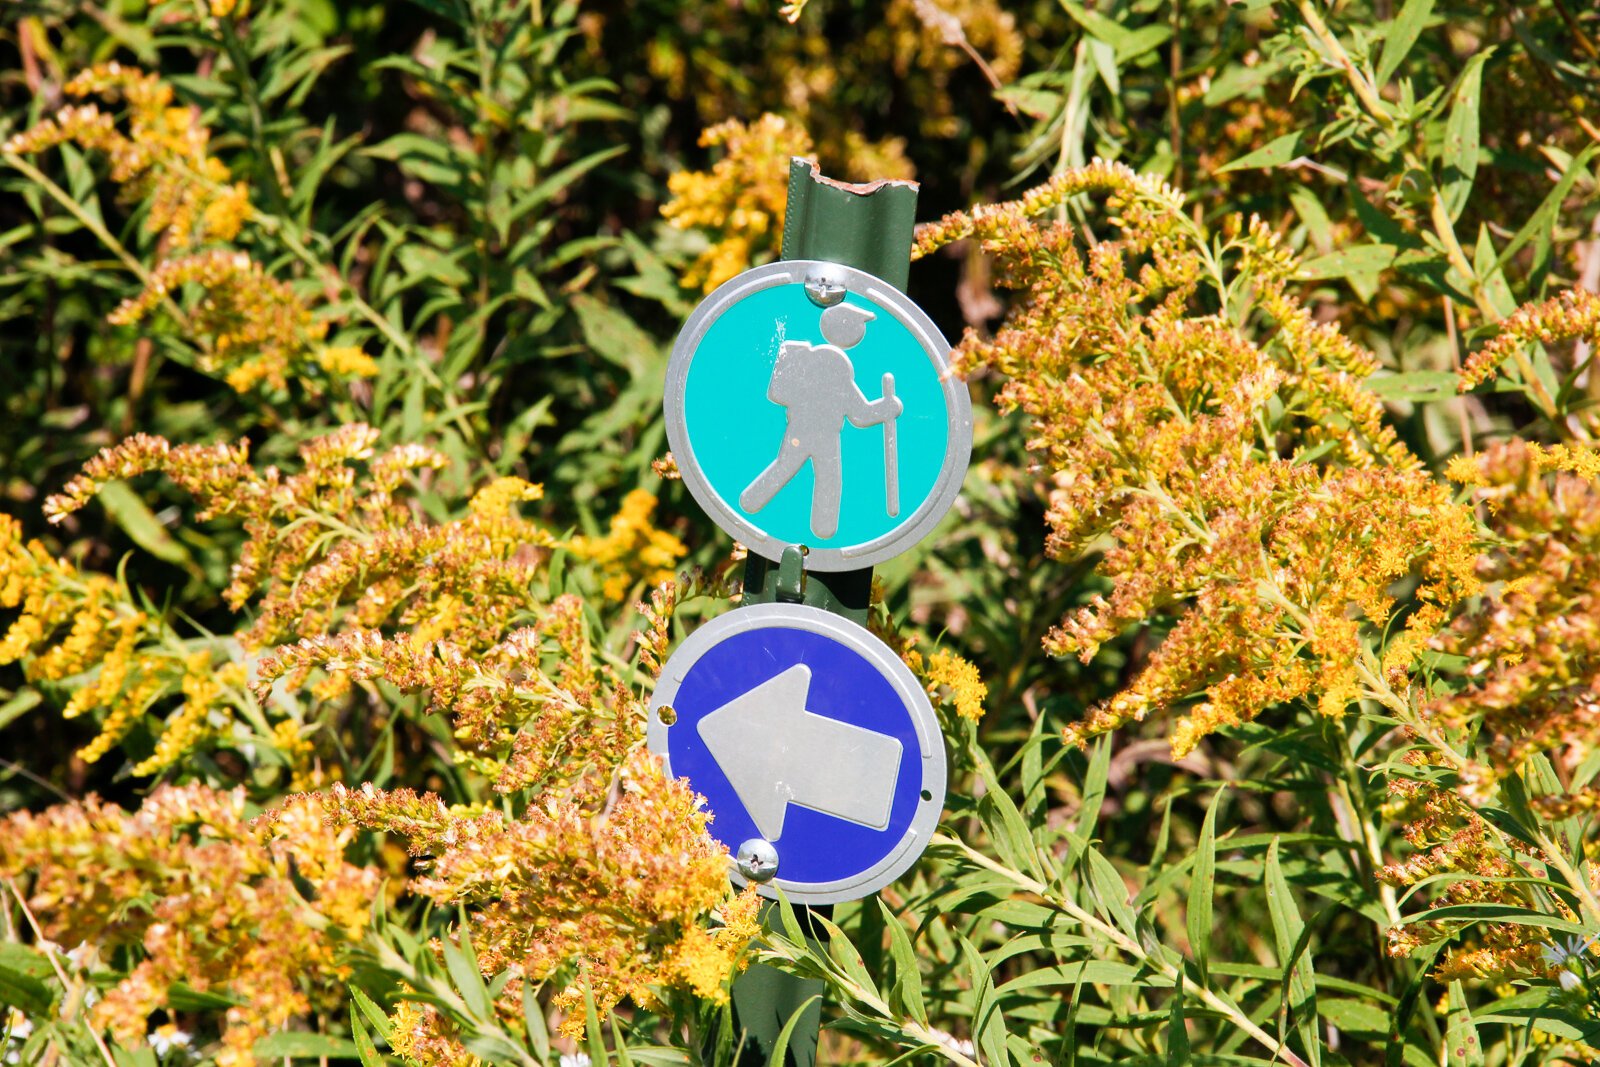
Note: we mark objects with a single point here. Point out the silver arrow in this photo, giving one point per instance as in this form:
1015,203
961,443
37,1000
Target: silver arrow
776,752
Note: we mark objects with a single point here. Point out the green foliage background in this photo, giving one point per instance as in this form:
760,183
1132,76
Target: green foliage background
486,176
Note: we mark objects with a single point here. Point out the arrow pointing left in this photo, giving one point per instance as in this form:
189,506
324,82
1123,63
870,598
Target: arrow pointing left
776,752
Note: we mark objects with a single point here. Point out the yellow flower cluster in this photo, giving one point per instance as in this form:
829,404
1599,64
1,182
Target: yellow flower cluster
655,639
324,551
335,556
1532,644
251,327
1162,429
82,631
538,710
740,201
944,669
619,897
633,550
255,329
164,158
1571,315
204,898
1450,839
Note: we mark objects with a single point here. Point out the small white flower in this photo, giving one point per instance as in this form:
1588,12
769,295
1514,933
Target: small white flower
1557,953
574,1059
166,1039
1568,980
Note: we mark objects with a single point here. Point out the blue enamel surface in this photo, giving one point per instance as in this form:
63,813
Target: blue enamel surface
813,847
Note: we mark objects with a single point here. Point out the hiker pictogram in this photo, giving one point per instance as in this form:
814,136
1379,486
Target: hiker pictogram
817,387
808,403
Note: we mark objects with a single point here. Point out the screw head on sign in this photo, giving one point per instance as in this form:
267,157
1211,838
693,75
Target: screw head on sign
757,860
823,291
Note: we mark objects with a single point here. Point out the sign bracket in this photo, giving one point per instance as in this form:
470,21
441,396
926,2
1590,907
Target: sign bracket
869,227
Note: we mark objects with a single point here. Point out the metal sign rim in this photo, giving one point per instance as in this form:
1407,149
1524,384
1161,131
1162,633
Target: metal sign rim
958,451
930,739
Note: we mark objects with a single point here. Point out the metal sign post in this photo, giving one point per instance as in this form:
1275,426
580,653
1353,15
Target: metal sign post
817,751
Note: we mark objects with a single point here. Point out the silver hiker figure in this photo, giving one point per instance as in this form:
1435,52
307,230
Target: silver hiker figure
817,384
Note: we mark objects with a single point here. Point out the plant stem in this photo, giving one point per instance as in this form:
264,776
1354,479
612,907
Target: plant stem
1128,945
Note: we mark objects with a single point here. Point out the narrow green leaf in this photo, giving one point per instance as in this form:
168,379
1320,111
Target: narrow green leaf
1459,155
907,988
1202,888
1496,913
24,701
1461,1035
1357,259
1401,36
365,1049
136,520
1111,893
533,1021
591,1025
1177,1028
300,1045
1543,219
1416,386
374,1014
780,1047
1274,154
1293,956
465,977
988,1022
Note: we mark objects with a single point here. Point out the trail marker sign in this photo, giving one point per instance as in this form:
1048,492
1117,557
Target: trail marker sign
808,735
810,403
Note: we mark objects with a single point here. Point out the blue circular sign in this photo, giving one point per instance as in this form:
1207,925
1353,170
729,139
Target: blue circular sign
812,404
804,731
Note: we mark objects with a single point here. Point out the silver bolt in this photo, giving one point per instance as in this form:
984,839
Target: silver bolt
757,860
824,292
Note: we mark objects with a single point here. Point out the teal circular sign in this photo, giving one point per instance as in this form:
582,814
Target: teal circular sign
809,403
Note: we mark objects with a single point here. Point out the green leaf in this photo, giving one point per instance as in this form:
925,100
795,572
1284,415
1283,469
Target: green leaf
1293,955
299,1045
1012,837
136,520
1202,887
24,701
1274,154
375,1015
1360,259
1402,36
1543,219
1416,386
1094,795
464,975
22,979
365,1049
1111,893
591,1026
907,989
1459,157
780,1047
1177,1028
1461,1036
614,336
1496,913
988,1022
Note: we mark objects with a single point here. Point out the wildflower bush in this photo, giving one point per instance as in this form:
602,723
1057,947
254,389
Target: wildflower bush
340,547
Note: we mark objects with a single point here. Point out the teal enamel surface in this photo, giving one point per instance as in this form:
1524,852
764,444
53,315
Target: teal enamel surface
735,431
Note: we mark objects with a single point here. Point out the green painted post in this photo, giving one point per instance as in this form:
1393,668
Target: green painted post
868,227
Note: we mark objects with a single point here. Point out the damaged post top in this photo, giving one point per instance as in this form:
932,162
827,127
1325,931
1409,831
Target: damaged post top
868,226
